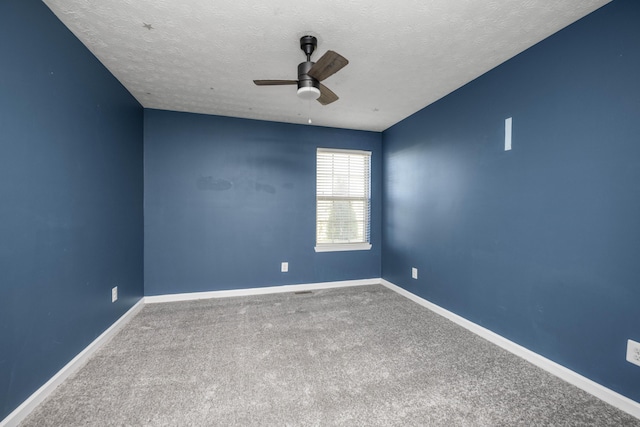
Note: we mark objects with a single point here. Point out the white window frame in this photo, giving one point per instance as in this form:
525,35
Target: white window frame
359,246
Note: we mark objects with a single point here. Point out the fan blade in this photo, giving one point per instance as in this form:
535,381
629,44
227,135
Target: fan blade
326,95
275,82
328,64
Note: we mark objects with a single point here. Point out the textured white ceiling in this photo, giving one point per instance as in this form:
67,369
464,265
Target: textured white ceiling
201,55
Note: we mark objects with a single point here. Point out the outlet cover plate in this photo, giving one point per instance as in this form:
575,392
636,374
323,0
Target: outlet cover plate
633,352
284,267
114,294
414,273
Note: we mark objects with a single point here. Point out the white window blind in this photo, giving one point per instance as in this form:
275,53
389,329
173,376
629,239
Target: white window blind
343,199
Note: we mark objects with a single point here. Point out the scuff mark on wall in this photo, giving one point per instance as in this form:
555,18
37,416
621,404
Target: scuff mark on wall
208,183
266,188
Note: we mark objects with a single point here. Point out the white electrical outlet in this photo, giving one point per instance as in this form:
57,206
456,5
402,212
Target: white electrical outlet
284,267
414,273
114,294
633,352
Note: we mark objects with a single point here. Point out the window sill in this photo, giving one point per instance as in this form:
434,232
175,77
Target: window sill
343,247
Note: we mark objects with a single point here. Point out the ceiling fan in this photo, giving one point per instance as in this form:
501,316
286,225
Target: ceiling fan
310,74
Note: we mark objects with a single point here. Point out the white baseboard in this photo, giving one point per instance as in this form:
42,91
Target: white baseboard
611,397
258,291
22,411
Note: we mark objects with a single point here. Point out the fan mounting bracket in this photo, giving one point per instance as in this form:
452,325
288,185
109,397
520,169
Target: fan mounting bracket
308,45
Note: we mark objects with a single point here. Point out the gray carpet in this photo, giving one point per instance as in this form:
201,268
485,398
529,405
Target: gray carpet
353,356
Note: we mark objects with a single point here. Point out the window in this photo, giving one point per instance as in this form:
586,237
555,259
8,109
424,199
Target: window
343,200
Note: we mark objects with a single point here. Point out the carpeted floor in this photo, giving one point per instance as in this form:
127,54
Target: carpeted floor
353,356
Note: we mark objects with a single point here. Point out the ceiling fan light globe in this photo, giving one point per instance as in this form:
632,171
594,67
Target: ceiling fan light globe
308,93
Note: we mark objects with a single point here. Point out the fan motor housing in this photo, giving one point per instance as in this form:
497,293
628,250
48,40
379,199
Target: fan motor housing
305,80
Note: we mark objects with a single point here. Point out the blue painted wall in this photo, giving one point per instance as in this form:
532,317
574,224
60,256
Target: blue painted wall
227,200
70,198
540,244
